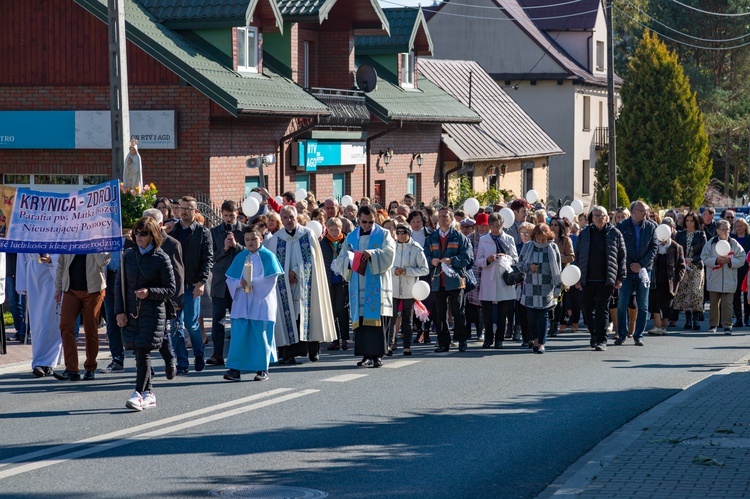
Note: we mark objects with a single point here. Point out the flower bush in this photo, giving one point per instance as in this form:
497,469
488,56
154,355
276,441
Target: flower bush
133,202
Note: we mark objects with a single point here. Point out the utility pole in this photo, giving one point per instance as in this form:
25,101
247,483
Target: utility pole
748,168
118,86
726,163
611,106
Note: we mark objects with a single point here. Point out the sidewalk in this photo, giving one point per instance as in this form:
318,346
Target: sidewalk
695,444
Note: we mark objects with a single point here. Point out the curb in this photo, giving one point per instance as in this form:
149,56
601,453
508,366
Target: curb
576,479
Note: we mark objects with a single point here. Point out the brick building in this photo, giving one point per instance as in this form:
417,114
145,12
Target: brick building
213,84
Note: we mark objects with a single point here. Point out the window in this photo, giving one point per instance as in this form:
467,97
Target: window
379,193
412,184
306,65
600,56
528,175
601,114
253,182
407,70
247,49
339,186
303,182
586,113
53,183
586,178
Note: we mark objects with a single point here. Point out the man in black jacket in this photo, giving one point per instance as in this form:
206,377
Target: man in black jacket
600,254
226,245
197,254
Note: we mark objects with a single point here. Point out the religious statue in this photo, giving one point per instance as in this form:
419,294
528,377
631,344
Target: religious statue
133,174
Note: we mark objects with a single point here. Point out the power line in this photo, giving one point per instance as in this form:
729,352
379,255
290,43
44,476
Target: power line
530,7
440,12
734,47
685,34
722,14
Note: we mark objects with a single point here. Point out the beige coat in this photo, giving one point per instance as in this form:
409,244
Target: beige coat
95,277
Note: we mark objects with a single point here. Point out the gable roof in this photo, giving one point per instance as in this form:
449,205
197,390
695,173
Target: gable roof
319,10
577,15
506,131
266,94
572,70
186,14
408,32
427,103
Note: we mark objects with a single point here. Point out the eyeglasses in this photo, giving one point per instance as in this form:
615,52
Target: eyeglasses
722,230
142,233
401,232
364,222
597,215
188,209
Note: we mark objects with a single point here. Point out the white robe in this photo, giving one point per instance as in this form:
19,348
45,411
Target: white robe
37,281
315,311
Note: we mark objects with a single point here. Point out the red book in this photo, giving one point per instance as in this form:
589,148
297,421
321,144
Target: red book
358,265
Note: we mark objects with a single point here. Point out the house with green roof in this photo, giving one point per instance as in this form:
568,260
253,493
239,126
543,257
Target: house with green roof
231,83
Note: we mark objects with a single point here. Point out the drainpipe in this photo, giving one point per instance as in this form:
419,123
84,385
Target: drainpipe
282,153
368,174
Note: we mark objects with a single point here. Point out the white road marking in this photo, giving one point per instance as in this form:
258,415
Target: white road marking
399,363
139,428
25,468
345,377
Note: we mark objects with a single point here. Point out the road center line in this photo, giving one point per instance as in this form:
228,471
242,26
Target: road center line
25,468
134,429
345,377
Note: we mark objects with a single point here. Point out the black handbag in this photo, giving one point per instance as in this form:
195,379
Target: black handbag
515,276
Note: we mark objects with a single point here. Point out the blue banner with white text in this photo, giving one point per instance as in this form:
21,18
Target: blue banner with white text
86,221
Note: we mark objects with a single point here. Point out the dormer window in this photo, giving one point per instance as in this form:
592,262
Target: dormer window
247,50
407,70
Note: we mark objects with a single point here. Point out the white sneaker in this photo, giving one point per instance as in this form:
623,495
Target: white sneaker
654,331
610,327
712,330
135,402
149,399
663,331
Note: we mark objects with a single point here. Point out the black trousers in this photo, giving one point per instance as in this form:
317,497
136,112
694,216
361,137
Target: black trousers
407,320
453,299
474,316
495,331
340,302
596,297
522,319
142,369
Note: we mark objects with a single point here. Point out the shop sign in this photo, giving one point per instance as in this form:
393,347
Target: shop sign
83,129
311,154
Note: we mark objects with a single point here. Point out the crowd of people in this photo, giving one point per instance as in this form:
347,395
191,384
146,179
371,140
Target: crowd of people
405,272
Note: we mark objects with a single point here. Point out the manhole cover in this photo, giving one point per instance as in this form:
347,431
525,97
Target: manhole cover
269,492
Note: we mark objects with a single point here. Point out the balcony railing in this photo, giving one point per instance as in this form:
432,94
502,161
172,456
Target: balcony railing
601,138
348,107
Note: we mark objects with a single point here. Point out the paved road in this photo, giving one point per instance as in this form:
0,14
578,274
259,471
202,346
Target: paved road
478,424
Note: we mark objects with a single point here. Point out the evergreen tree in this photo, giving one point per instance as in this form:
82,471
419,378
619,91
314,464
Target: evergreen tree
662,148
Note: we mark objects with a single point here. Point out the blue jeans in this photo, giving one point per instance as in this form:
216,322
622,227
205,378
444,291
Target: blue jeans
114,332
630,284
220,307
190,315
537,318
16,305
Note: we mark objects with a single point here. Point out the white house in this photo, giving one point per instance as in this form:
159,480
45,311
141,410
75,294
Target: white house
550,56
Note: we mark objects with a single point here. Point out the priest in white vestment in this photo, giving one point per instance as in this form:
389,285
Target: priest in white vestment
371,294
305,314
35,277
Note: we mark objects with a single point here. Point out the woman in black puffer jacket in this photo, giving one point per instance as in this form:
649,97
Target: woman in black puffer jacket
149,280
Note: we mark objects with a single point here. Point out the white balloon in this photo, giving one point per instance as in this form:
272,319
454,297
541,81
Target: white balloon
347,201
663,232
577,206
571,275
568,212
250,206
532,196
471,206
315,226
420,290
723,248
256,196
279,199
300,194
508,217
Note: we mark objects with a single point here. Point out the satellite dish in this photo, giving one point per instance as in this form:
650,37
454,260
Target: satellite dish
367,78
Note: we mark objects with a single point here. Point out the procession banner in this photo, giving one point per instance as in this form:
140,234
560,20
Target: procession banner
86,221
